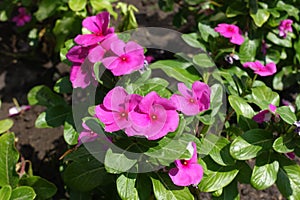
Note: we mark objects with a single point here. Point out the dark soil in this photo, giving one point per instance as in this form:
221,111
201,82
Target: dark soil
19,73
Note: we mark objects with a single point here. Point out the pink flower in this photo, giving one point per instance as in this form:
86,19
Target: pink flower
116,107
128,57
18,110
231,31
153,118
260,69
82,71
22,18
265,115
87,135
192,102
285,27
187,172
291,155
98,25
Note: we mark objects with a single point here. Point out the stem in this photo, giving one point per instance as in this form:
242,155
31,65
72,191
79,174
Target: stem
16,103
254,78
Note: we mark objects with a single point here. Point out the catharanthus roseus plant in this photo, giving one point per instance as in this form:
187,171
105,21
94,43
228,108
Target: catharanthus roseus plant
206,124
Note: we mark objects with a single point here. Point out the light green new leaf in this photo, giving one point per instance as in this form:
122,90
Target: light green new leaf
265,171
286,114
5,192
251,144
23,193
163,189
240,106
77,5
8,160
203,60
5,125
126,187
260,17
263,96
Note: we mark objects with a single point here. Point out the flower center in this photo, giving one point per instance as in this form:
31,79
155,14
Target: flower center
123,58
123,115
99,34
154,117
184,162
192,100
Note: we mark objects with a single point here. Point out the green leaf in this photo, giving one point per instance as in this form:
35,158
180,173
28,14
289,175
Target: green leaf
191,39
260,17
8,160
63,85
77,5
118,162
285,143
43,188
264,172
220,152
42,95
5,192
5,125
207,144
286,114
175,70
229,192
264,96
126,187
216,177
143,186
240,106
163,189
85,174
297,102
288,179
100,5
251,144
46,9
206,31
23,193
248,50
278,41
203,60
52,117
290,9
156,84
70,133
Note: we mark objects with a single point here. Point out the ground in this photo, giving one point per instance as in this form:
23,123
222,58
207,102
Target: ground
18,75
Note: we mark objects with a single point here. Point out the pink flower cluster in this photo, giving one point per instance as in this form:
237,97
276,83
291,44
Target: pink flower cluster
22,18
151,116
102,45
230,31
260,69
285,27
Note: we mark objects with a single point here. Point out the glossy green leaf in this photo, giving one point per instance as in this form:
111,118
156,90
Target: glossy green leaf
42,95
63,85
229,192
297,102
286,114
8,160
46,8
52,117
126,187
251,144
143,186
288,180
158,85
220,152
70,133
5,125
285,143
191,39
240,106
290,9
216,177
43,188
77,5
5,192
280,42
206,31
248,50
207,144
264,172
163,189
260,17
203,60
175,70
100,5
23,193
283,78
264,96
